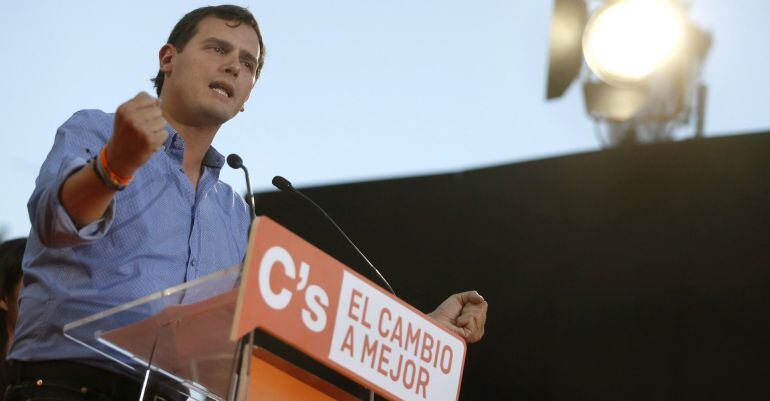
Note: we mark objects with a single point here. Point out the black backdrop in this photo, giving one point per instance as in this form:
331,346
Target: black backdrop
640,273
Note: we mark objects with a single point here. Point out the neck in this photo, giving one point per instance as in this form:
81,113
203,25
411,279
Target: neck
197,142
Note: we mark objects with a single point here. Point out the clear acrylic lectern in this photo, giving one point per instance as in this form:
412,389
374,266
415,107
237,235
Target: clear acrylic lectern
177,339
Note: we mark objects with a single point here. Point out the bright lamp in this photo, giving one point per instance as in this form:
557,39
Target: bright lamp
625,42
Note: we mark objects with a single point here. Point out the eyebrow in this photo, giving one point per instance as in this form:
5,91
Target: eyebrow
227,46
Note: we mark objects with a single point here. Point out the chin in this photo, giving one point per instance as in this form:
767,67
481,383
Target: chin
216,116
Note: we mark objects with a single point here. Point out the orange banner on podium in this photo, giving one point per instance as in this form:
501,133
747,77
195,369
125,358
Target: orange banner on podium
306,298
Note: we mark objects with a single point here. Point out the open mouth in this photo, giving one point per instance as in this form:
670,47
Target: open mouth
222,88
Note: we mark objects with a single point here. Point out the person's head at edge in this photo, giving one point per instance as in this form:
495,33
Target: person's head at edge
11,255
209,65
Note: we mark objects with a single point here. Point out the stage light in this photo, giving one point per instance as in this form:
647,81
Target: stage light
625,42
565,55
644,59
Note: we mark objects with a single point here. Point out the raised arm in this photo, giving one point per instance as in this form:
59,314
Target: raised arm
138,132
71,204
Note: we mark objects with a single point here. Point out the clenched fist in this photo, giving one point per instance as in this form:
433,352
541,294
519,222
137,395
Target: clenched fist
464,313
139,131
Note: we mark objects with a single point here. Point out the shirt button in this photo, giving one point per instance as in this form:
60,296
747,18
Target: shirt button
193,262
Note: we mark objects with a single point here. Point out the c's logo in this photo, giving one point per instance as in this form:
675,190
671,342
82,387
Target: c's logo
316,299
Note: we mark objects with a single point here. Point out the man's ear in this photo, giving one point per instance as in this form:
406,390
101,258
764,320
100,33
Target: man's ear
166,57
3,304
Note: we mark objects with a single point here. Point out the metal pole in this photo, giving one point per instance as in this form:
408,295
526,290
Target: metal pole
701,111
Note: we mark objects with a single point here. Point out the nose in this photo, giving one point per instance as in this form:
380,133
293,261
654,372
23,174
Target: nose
233,66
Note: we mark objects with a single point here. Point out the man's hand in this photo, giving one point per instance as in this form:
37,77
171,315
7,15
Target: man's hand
140,130
464,313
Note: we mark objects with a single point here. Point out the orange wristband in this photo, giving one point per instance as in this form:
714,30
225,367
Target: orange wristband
117,180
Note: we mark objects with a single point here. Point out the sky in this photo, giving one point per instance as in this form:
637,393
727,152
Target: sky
352,90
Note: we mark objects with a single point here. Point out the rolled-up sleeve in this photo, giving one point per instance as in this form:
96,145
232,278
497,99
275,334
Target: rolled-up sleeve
77,141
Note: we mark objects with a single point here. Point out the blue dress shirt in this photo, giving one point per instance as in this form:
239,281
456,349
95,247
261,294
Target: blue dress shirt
158,232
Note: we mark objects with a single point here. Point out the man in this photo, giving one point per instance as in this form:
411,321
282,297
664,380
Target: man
131,203
11,255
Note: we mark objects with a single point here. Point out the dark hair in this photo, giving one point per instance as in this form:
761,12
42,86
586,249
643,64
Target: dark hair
187,27
11,255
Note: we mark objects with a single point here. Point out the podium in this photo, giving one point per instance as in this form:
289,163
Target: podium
291,323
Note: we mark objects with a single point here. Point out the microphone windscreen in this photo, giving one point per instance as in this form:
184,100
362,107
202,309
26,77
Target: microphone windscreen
234,161
282,183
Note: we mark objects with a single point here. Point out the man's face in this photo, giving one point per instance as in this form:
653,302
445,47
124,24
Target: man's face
210,80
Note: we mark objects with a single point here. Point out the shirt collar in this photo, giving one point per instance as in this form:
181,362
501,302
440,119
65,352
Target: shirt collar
212,158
